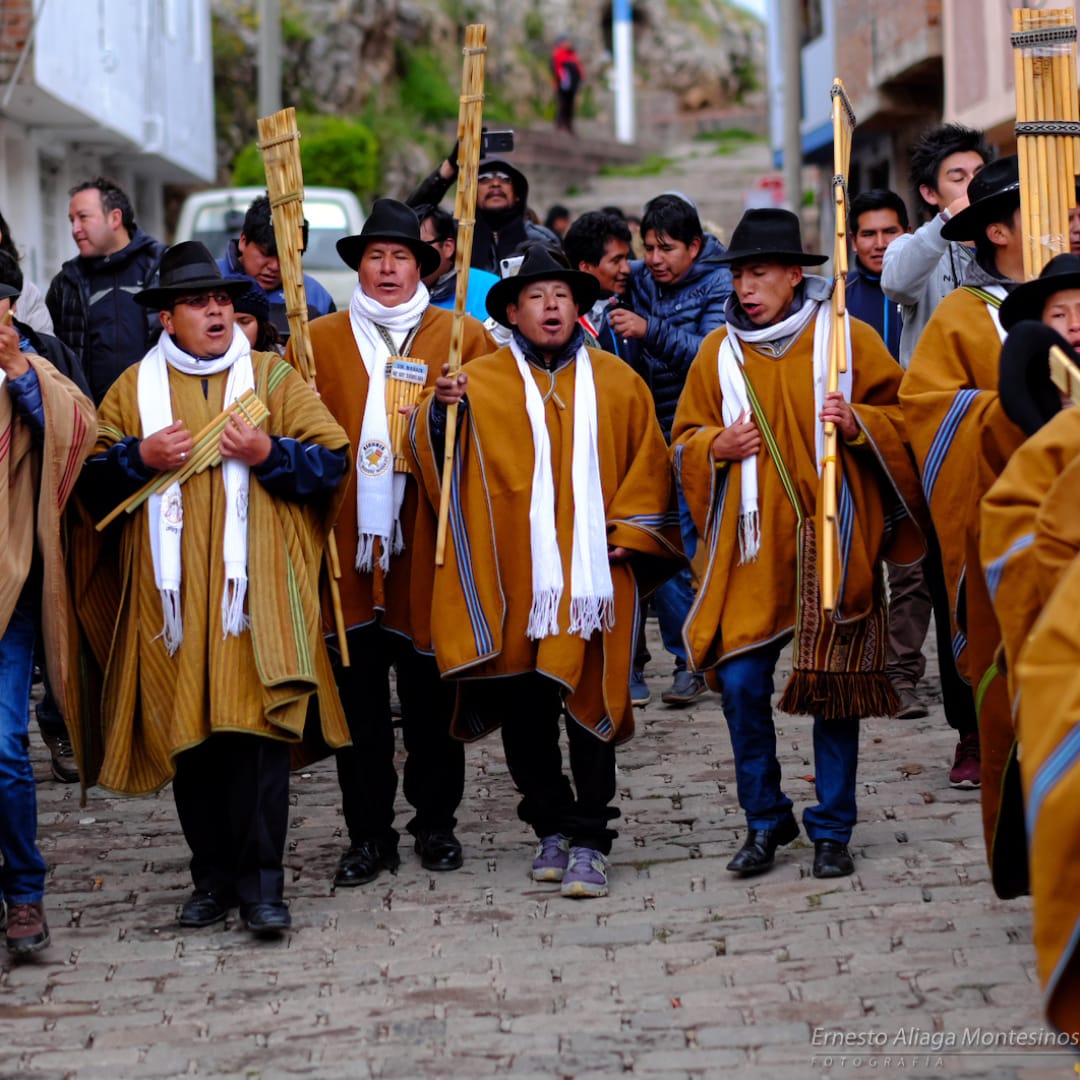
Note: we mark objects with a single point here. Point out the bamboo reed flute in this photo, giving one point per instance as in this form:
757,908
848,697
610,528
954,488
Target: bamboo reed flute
279,144
470,135
207,454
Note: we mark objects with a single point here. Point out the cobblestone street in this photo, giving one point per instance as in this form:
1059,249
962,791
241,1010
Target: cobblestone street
682,972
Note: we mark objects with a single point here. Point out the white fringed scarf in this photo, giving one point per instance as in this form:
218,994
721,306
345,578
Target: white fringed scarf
592,595
379,490
165,512
736,400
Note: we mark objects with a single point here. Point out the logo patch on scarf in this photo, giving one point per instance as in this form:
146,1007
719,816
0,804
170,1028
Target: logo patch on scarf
172,510
374,458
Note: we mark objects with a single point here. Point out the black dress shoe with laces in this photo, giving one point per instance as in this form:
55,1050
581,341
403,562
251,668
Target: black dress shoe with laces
202,909
758,851
267,919
439,849
832,859
364,862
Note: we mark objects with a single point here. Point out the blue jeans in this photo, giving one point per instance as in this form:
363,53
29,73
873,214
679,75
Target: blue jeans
747,685
674,598
22,877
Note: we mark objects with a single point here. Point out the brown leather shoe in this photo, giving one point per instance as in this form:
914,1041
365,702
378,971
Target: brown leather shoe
27,931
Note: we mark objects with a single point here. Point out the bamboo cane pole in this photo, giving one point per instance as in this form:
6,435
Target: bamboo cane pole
843,124
279,144
470,125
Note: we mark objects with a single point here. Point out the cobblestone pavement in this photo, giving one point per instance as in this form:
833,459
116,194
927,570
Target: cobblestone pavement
682,972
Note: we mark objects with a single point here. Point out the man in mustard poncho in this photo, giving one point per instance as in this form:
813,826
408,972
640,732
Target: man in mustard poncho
561,509
218,645
46,430
947,396
748,446
387,564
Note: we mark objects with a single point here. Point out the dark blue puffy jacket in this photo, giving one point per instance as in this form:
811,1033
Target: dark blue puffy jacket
678,317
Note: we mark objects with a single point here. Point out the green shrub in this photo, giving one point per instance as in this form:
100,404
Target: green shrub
334,152
426,88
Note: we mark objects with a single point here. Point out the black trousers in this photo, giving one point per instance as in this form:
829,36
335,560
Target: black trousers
530,707
232,796
434,774
956,695
564,109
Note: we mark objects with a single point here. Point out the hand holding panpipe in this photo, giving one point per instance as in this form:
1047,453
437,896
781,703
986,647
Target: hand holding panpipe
206,455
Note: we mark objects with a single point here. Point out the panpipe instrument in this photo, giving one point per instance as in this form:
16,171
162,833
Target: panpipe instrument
405,379
1065,374
470,136
205,455
843,118
1047,130
279,144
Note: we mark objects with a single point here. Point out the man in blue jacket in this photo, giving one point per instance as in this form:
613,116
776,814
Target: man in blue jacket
876,218
676,297
255,256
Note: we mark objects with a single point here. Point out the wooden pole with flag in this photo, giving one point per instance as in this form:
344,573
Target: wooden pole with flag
279,144
470,136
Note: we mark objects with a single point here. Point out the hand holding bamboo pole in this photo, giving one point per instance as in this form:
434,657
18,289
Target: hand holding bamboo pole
470,128
279,143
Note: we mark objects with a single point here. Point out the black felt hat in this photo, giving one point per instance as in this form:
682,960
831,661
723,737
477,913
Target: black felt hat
541,263
1028,396
994,191
394,221
769,235
186,269
9,292
1028,300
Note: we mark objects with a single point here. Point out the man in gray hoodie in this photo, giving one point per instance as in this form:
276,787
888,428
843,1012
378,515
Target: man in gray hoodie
919,270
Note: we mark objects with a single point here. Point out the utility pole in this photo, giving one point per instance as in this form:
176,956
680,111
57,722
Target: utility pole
622,33
791,87
269,57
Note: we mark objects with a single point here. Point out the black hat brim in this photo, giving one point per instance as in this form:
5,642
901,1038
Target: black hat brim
1028,396
971,222
1028,300
789,258
9,292
164,296
585,289
351,249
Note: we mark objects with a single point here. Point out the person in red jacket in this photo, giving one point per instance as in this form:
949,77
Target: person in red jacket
569,75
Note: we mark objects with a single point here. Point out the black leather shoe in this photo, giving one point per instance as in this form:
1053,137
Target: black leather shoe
364,863
439,849
757,853
202,909
832,859
266,919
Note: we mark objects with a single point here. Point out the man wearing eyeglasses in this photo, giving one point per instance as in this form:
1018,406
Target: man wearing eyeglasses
218,644
502,195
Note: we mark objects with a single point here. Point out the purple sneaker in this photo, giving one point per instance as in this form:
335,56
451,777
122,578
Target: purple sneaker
586,876
552,855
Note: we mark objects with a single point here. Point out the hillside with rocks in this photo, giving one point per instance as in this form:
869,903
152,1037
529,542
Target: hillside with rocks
394,65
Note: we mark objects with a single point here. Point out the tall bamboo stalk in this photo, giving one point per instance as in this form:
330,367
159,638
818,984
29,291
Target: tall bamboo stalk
279,143
470,127
843,125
